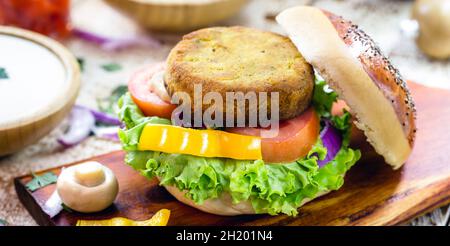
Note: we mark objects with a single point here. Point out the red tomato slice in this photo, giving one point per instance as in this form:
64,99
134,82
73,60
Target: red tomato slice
143,95
295,139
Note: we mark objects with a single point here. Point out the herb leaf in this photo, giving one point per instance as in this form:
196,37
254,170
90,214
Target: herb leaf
3,74
112,67
3,222
343,124
66,208
81,62
323,99
108,104
40,181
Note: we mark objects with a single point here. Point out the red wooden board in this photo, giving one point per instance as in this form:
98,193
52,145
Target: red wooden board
373,194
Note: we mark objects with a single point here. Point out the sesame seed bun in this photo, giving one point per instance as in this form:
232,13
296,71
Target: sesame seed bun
351,62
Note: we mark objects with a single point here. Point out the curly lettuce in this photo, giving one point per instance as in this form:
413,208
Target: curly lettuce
271,189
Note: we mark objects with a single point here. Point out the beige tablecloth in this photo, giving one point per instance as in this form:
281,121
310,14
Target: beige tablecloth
381,19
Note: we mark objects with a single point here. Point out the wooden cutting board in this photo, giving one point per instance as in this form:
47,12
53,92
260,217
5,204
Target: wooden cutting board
373,194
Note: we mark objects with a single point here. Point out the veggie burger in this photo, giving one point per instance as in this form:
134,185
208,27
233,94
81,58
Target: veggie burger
233,167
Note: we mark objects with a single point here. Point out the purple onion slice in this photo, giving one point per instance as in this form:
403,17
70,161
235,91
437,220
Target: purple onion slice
332,141
113,44
108,133
102,117
81,123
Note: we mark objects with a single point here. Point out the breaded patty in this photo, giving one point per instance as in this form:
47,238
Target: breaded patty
240,59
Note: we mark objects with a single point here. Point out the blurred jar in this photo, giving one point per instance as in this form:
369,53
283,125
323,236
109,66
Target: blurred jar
49,17
433,17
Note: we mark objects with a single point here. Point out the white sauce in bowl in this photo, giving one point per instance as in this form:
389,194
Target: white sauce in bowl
37,78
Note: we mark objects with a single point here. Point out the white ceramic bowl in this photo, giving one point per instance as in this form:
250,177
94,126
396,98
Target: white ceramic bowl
178,15
42,85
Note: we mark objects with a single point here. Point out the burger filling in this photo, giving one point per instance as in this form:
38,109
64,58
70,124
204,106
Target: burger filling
206,173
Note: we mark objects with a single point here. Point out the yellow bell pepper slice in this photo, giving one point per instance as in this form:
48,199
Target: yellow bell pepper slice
205,143
161,218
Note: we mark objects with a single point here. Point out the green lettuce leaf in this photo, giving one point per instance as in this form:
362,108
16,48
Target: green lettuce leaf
271,189
323,99
135,121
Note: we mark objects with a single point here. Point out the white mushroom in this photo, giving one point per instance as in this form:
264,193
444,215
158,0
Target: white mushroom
433,17
87,187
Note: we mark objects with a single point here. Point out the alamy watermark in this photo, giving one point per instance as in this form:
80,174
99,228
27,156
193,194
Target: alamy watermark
230,111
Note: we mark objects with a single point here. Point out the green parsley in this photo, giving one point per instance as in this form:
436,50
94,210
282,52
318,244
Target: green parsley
81,62
3,74
108,104
323,99
66,208
3,222
112,67
40,181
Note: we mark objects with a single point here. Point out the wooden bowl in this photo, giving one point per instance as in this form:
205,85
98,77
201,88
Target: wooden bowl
178,15
43,81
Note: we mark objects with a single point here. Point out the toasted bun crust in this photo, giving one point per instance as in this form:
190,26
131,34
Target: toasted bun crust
221,206
241,59
355,68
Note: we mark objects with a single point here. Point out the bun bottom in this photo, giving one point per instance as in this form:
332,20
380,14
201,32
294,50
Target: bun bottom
221,206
